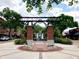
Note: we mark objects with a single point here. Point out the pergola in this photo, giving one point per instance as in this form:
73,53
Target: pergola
34,20
39,19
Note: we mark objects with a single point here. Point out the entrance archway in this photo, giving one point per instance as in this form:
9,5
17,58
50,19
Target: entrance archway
30,23
39,33
40,45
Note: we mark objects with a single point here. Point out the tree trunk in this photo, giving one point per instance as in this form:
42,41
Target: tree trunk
10,35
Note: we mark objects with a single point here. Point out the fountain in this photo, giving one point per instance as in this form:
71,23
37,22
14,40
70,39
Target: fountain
39,36
39,45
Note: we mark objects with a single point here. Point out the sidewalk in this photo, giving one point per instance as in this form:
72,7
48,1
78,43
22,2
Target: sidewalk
10,51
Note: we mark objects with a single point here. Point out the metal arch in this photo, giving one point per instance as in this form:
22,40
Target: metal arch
39,17
38,20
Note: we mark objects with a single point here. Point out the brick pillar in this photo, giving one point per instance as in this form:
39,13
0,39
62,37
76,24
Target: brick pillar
49,33
29,33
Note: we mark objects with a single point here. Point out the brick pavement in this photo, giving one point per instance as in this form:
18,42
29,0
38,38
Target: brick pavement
9,51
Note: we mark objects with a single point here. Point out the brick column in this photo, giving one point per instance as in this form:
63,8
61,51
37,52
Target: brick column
50,33
29,33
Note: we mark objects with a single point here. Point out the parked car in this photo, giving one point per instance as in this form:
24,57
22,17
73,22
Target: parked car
4,37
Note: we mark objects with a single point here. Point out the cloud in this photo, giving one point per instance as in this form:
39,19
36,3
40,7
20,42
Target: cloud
20,7
73,13
70,10
55,12
6,3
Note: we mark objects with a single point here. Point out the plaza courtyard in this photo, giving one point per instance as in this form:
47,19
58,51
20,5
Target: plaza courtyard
9,50
39,29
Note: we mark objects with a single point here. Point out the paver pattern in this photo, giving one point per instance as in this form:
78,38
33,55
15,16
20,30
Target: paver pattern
10,51
40,46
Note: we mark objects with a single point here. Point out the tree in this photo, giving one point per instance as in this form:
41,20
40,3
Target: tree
12,19
30,4
64,22
38,28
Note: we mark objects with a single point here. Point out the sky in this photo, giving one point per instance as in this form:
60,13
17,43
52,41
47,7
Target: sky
56,10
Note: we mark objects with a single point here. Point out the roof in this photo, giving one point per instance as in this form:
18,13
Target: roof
2,18
66,31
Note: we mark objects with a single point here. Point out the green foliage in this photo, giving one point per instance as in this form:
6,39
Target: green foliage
63,40
21,31
20,41
64,22
40,10
12,18
38,4
38,28
57,32
49,4
10,14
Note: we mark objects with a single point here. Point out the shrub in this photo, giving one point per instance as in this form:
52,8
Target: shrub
20,41
63,40
56,40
